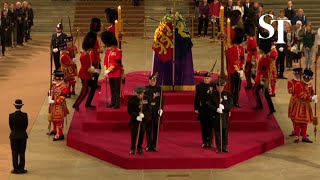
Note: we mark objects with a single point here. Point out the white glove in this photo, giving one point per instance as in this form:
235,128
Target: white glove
106,72
314,98
141,115
74,60
240,73
160,112
281,49
262,83
55,50
219,110
196,111
139,118
97,71
50,100
221,106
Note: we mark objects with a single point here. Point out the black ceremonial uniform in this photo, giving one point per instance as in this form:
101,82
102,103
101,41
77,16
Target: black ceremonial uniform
202,97
18,122
154,92
227,101
134,107
56,40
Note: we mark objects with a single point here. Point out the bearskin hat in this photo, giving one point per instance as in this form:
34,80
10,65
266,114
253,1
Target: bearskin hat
95,24
249,26
109,39
265,44
250,30
111,15
89,41
238,39
235,16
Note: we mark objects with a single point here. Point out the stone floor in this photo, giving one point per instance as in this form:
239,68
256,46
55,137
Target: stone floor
48,160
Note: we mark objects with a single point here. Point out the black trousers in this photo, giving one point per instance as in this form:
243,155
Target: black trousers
225,137
27,32
235,87
18,148
86,84
96,75
56,59
8,38
217,23
280,63
20,33
257,88
202,21
248,73
152,129
115,91
3,42
206,130
134,131
289,57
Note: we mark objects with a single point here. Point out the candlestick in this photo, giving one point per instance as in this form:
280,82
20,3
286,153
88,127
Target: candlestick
222,19
120,18
228,33
116,32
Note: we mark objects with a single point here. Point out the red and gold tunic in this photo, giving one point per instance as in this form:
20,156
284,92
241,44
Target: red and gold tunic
72,51
112,61
273,68
59,108
84,72
68,67
263,70
302,111
95,55
252,50
111,28
235,56
290,87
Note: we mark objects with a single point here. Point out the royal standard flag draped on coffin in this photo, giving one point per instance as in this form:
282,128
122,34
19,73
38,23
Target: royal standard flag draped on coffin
163,52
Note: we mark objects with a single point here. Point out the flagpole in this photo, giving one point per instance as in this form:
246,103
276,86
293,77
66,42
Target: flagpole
173,42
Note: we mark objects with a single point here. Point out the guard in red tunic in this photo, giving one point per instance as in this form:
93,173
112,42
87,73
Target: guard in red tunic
86,72
274,73
73,50
95,27
111,16
302,111
58,107
113,67
252,57
291,84
263,75
68,67
235,65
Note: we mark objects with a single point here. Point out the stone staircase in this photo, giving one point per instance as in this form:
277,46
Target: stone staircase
48,13
132,16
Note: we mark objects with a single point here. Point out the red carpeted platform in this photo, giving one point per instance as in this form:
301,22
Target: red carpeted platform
104,133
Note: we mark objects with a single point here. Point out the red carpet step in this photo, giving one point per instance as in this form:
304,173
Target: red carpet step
104,133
